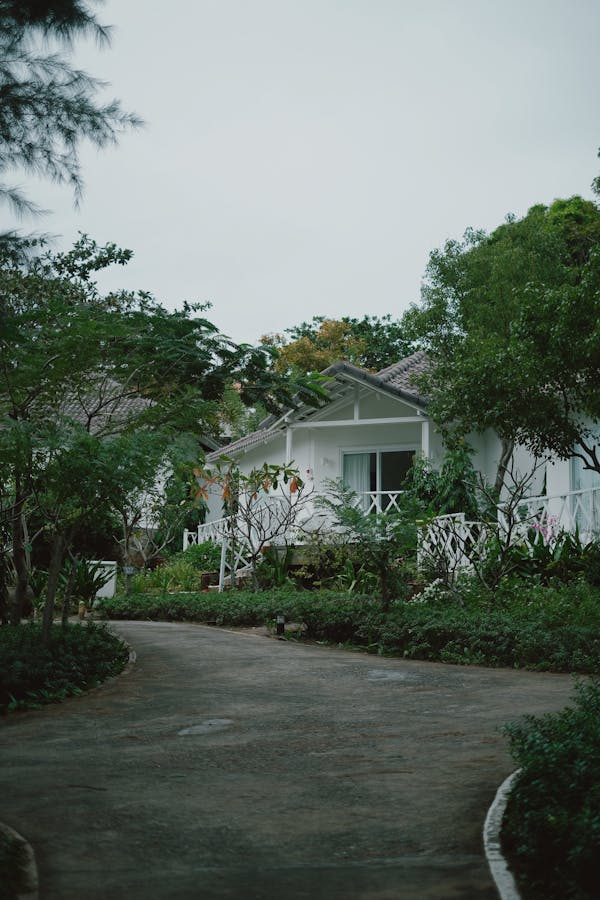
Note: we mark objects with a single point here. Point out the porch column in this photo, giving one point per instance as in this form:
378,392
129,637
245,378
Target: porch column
288,444
425,437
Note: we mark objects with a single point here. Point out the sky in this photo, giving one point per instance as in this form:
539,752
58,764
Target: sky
304,157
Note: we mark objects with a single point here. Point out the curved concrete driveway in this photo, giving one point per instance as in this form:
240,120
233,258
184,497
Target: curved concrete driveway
225,765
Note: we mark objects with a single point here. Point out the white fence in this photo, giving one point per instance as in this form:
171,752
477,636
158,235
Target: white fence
457,542
452,538
571,511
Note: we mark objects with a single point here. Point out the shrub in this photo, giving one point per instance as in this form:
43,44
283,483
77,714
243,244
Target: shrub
554,629
564,558
551,829
228,608
205,556
77,657
182,572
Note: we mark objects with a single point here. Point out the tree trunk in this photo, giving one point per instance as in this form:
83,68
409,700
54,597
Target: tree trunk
19,553
4,610
503,463
385,588
68,592
255,585
56,561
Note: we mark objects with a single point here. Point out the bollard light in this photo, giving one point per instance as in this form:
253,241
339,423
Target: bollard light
280,625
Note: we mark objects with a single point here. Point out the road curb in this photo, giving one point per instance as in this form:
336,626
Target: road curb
29,884
503,878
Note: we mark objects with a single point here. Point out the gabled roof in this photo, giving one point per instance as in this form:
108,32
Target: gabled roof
396,380
402,375
108,408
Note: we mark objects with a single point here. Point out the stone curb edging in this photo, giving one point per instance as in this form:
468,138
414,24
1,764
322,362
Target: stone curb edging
503,878
29,871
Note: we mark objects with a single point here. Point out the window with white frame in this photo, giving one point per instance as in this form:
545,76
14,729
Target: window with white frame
376,473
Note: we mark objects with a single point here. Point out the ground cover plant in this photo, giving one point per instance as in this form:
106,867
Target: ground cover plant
183,571
551,829
78,657
553,628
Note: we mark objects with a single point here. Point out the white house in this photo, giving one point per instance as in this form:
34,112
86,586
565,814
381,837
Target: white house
368,431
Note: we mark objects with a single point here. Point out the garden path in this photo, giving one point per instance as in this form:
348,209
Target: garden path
226,765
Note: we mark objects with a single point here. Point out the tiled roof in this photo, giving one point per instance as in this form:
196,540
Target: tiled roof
107,406
402,374
397,379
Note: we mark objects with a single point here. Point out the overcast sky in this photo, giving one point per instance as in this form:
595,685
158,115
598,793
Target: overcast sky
303,157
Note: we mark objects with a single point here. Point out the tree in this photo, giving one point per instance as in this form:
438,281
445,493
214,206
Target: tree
385,542
119,365
510,323
48,108
371,343
263,507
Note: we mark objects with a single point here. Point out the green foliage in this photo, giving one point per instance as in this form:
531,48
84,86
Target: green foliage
88,578
386,542
77,657
237,419
449,489
551,829
564,558
182,572
533,627
509,321
274,568
228,608
333,561
372,343
48,106
205,556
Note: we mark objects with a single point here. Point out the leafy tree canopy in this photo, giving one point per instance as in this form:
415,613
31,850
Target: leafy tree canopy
371,342
48,107
121,370
511,321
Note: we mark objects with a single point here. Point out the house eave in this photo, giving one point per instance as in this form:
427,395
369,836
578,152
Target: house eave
273,426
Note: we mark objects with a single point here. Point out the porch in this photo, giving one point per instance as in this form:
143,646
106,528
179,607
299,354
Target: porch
453,536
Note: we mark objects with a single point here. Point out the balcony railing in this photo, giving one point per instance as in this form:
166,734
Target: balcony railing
453,536
379,501
571,511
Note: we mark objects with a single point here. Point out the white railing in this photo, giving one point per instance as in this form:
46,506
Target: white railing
453,540
211,531
379,501
456,542
571,511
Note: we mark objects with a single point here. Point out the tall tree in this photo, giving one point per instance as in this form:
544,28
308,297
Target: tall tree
510,322
115,365
372,343
47,107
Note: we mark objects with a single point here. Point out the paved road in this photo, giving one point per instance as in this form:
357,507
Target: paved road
225,765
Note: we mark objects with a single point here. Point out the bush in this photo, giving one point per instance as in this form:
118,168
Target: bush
554,629
205,556
551,829
77,657
228,608
563,558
